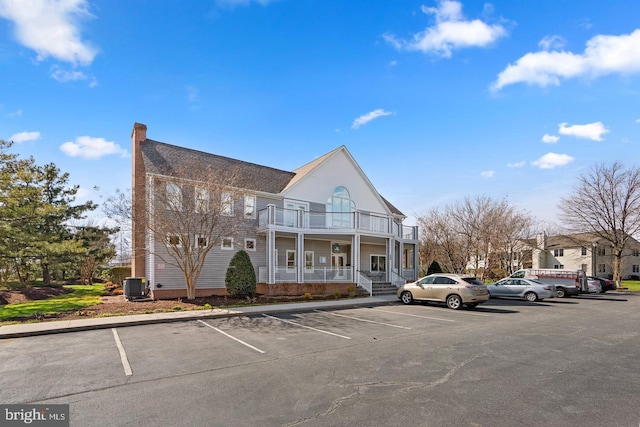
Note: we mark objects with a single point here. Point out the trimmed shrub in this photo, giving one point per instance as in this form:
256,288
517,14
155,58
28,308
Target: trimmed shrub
434,268
240,279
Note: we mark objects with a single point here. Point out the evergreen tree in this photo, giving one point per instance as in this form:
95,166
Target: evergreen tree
434,268
240,279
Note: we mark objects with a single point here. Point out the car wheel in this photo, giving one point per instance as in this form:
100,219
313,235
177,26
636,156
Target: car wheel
561,293
406,297
531,296
472,305
454,302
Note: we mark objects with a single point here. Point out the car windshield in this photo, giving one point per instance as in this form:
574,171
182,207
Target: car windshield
473,281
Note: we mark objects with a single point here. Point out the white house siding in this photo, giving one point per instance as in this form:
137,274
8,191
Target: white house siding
339,170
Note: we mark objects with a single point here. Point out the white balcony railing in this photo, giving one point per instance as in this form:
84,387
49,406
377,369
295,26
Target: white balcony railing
315,275
361,221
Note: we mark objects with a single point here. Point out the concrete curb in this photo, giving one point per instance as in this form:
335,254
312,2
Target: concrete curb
58,327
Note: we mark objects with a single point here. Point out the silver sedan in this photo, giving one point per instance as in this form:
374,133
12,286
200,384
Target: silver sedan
529,289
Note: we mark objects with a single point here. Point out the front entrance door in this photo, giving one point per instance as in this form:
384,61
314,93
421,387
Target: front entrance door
338,264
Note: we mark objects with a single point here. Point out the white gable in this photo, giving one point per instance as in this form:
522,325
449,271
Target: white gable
339,169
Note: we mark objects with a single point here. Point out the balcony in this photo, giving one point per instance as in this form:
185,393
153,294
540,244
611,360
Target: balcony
334,221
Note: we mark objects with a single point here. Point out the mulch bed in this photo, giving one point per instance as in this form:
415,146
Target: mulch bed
118,305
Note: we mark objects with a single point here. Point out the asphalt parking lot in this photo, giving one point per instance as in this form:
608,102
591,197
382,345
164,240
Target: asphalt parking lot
563,362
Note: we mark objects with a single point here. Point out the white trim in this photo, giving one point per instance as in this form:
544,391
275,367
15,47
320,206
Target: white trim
286,260
226,206
313,261
196,242
168,240
244,207
246,247
225,248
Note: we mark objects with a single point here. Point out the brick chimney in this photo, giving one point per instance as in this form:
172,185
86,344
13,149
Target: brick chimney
138,197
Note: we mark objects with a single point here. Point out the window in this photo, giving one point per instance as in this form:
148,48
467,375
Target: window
201,241
174,196
250,244
249,206
583,250
635,268
339,208
635,252
442,280
291,209
407,261
558,252
173,240
291,259
378,263
308,260
558,266
602,268
227,204
227,243
201,199
601,251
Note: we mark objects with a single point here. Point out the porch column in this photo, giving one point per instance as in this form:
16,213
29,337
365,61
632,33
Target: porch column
271,257
416,260
355,256
300,257
391,250
401,258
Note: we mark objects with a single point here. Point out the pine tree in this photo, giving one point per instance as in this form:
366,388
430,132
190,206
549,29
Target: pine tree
241,276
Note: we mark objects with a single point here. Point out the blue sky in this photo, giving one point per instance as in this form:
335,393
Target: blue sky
436,100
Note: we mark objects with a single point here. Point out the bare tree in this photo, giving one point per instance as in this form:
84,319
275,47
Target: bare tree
606,203
188,217
478,233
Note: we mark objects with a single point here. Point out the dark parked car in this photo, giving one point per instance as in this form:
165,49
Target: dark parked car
607,285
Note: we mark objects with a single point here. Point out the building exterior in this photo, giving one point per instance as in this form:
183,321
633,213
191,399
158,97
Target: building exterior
584,251
319,229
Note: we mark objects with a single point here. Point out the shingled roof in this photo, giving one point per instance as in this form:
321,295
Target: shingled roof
160,157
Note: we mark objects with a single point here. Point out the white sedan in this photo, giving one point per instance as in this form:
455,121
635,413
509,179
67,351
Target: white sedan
529,289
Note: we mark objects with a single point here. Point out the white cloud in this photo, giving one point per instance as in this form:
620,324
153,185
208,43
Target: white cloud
550,139
64,76
451,31
24,137
487,174
51,28
552,42
603,55
517,164
92,148
593,131
552,160
637,121
17,113
366,118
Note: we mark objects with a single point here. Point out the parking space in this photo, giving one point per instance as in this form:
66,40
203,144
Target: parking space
67,364
53,365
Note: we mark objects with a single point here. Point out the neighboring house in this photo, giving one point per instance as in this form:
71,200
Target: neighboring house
584,251
320,228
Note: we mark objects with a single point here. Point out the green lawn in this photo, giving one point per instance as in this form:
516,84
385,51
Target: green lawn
632,285
82,296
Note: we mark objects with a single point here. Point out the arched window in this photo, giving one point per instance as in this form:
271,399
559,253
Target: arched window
340,209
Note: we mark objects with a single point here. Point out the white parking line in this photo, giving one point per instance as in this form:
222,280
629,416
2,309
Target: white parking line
232,337
362,320
414,315
308,327
123,355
